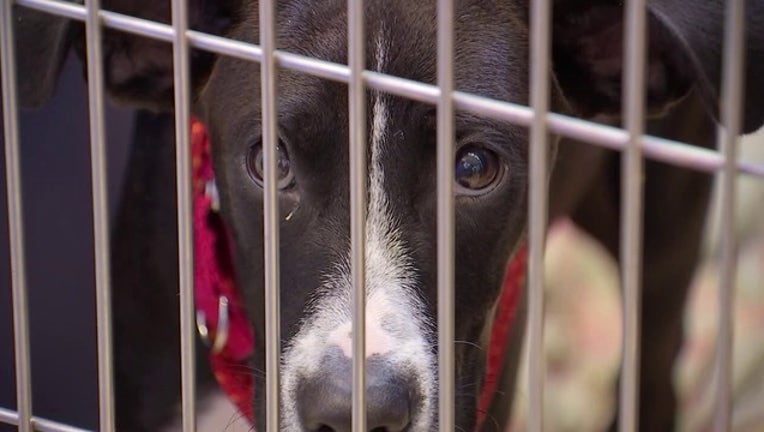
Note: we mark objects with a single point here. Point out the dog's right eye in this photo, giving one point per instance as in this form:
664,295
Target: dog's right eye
478,169
284,175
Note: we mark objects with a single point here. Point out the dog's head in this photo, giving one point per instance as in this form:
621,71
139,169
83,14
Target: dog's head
401,249
490,167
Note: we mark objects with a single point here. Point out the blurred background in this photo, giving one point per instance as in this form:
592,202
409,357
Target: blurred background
583,324
55,165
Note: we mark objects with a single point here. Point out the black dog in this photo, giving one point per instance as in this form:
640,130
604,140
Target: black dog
492,53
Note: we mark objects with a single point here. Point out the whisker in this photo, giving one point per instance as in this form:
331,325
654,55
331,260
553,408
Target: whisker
235,417
471,344
237,367
492,418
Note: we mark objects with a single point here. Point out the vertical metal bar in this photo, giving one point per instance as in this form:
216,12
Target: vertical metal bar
182,90
15,220
537,209
445,229
631,209
732,102
271,214
100,215
357,128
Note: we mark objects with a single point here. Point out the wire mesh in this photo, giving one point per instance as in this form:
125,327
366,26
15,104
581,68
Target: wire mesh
632,141
446,135
100,215
358,192
631,210
271,214
732,96
537,209
182,102
21,342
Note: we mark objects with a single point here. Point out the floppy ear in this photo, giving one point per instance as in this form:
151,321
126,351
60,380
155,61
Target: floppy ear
138,70
42,42
685,43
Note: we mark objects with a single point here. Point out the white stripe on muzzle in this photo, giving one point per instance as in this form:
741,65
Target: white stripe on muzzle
395,323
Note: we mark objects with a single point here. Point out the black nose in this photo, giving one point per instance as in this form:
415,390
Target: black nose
325,400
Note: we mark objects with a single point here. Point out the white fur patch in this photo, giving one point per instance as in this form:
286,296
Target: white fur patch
395,320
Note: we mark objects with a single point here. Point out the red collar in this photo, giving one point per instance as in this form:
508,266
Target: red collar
215,287
214,279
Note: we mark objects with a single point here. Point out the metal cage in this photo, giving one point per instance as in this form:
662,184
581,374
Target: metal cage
631,140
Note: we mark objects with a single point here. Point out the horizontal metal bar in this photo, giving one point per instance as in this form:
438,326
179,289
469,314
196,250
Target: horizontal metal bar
664,150
39,424
60,8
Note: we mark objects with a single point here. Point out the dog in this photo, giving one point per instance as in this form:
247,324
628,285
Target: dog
491,52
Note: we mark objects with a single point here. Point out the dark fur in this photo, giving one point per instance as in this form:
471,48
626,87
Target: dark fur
491,53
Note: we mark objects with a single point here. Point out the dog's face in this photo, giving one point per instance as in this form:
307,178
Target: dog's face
400,251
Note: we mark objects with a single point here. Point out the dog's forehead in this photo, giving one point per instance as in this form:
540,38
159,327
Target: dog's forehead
490,35
491,50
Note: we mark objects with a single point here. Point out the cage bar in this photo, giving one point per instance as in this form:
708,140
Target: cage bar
101,231
731,116
15,221
445,214
358,178
271,215
631,209
38,424
537,208
182,101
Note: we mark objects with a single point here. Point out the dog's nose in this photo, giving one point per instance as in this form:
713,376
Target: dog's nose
325,400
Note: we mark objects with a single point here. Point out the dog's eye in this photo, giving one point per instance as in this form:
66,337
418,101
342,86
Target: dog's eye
477,169
284,175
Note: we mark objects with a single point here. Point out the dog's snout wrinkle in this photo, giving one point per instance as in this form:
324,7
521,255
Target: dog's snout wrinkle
325,400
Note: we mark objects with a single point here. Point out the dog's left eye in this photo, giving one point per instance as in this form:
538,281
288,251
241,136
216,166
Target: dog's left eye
284,175
477,169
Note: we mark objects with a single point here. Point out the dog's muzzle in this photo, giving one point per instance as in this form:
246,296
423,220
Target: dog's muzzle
325,400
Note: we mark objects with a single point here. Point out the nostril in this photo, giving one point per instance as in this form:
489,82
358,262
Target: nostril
325,401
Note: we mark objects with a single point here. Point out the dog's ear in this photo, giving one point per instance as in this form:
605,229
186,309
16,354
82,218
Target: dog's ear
42,42
685,43
139,71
